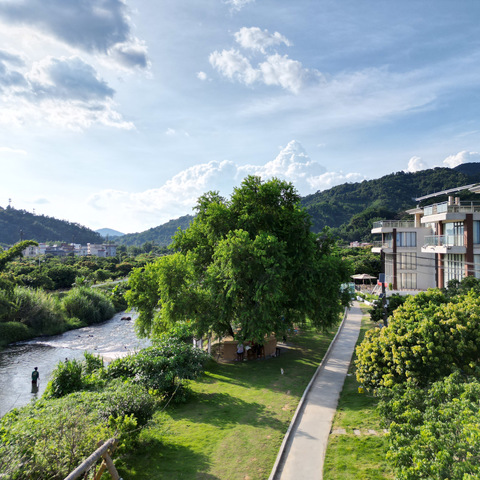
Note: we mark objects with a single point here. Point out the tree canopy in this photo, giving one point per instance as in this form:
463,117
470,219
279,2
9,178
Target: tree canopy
247,266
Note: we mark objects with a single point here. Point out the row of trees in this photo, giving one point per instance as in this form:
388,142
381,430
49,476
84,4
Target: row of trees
425,368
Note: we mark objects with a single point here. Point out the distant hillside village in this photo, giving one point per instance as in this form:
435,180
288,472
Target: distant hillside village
64,249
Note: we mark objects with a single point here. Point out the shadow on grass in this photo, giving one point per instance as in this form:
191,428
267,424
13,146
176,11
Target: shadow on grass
223,410
154,459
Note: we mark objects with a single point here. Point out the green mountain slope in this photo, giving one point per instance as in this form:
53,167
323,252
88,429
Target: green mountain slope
351,208
161,235
20,224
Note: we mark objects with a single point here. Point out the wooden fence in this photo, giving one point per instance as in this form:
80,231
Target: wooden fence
104,451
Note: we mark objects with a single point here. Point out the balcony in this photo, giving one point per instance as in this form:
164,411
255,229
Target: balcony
462,207
393,224
378,246
444,244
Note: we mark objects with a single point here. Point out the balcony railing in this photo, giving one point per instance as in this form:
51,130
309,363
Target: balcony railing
463,207
393,224
444,241
380,244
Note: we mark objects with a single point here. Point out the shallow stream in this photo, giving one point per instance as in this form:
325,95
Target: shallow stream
110,339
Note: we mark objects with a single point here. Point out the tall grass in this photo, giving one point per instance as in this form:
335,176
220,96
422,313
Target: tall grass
88,305
38,310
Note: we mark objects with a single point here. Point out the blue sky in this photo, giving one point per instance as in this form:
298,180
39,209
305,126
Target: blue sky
121,114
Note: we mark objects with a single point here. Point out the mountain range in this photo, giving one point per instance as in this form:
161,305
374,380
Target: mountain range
348,209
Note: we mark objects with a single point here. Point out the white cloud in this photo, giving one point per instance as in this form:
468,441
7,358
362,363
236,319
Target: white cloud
275,70
178,196
65,92
232,64
237,5
461,157
170,132
256,39
278,70
415,164
202,76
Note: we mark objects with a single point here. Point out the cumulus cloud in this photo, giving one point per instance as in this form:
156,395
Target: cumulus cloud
95,26
275,69
202,76
179,195
256,39
415,164
461,157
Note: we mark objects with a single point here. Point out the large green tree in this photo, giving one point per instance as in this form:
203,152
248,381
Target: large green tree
247,266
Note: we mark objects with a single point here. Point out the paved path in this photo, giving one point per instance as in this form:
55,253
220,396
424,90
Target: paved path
302,455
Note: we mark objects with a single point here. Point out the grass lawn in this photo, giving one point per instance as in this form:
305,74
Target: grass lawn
234,422
351,456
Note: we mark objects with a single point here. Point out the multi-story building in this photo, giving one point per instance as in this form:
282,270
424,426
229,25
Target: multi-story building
406,266
442,243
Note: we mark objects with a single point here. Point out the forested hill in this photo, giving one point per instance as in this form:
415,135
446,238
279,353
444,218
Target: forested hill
18,224
351,208
161,235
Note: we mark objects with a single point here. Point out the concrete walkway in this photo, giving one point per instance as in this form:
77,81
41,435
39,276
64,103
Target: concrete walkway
302,453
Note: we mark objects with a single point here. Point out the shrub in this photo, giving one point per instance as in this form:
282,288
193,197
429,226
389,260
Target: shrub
13,332
426,340
434,433
164,367
38,310
66,378
88,305
48,439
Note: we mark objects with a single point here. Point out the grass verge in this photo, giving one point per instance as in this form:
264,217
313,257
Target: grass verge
351,455
234,422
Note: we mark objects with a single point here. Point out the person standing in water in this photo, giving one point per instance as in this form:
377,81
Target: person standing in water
35,379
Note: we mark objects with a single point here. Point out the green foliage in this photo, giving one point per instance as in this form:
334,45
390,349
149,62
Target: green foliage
362,260
66,378
434,433
38,310
128,399
428,338
163,367
249,265
48,439
15,251
394,301
13,332
88,304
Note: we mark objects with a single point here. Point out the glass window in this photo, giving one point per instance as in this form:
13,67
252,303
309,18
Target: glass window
454,266
407,261
406,239
476,231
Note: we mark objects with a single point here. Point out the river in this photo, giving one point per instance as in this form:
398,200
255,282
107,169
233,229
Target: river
110,339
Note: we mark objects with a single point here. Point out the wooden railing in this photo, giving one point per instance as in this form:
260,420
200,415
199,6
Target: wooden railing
104,451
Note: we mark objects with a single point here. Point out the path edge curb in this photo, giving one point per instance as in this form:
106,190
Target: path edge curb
286,438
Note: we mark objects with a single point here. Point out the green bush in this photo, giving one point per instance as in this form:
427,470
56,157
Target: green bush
434,433
66,378
88,305
127,399
164,367
49,439
38,310
13,332
428,338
